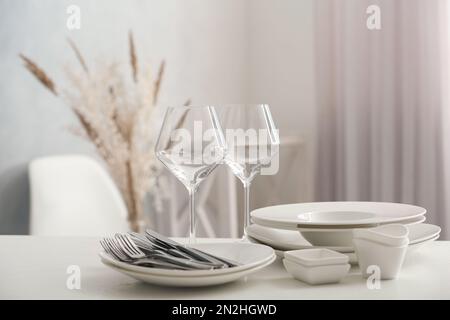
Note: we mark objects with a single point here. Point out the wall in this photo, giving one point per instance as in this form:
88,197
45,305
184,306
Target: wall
217,51
204,43
282,72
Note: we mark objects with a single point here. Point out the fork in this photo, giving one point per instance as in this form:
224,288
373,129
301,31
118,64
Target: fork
153,245
123,244
194,253
128,246
109,248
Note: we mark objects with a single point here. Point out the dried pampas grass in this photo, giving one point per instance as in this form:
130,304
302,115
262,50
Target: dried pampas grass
39,74
133,58
117,116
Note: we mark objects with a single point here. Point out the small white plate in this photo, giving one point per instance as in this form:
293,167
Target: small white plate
250,255
345,213
192,281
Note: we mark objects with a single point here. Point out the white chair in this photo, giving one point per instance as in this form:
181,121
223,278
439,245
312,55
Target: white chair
73,195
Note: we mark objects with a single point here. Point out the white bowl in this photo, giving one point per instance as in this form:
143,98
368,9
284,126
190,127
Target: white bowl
316,257
388,259
317,274
331,238
286,240
394,235
342,237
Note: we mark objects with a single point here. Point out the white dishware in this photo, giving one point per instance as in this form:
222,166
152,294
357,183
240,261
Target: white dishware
192,281
414,247
394,235
316,257
387,259
422,232
382,248
316,266
249,255
334,214
353,259
342,237
337,240
336,228
286,239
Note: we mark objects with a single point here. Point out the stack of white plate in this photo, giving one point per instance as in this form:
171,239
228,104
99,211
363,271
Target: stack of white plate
330,224
251,257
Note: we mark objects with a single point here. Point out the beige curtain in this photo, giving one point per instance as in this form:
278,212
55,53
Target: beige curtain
383,128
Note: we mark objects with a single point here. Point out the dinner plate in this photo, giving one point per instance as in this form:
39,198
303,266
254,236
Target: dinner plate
249,255
193,281
337,214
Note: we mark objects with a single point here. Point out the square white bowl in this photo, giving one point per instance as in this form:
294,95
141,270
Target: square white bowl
316,257
315,275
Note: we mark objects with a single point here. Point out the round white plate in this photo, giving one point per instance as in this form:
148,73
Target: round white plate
421,232
248,254
345,213
416,220
292,240
192,281
415,246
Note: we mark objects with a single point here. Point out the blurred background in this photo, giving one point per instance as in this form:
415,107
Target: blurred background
363,114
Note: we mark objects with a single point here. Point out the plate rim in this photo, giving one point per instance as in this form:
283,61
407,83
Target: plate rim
291,222
235,275
107,259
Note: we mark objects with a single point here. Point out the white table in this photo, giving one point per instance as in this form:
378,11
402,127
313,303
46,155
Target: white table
35,268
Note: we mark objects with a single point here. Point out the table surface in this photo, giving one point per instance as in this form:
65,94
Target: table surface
36,268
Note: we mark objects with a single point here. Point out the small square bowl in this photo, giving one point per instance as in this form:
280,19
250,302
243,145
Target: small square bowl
315,275
316,257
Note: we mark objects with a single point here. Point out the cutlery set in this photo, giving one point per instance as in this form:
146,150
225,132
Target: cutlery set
154,250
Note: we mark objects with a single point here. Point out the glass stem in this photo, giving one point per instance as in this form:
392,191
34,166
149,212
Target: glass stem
246,207
192,222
